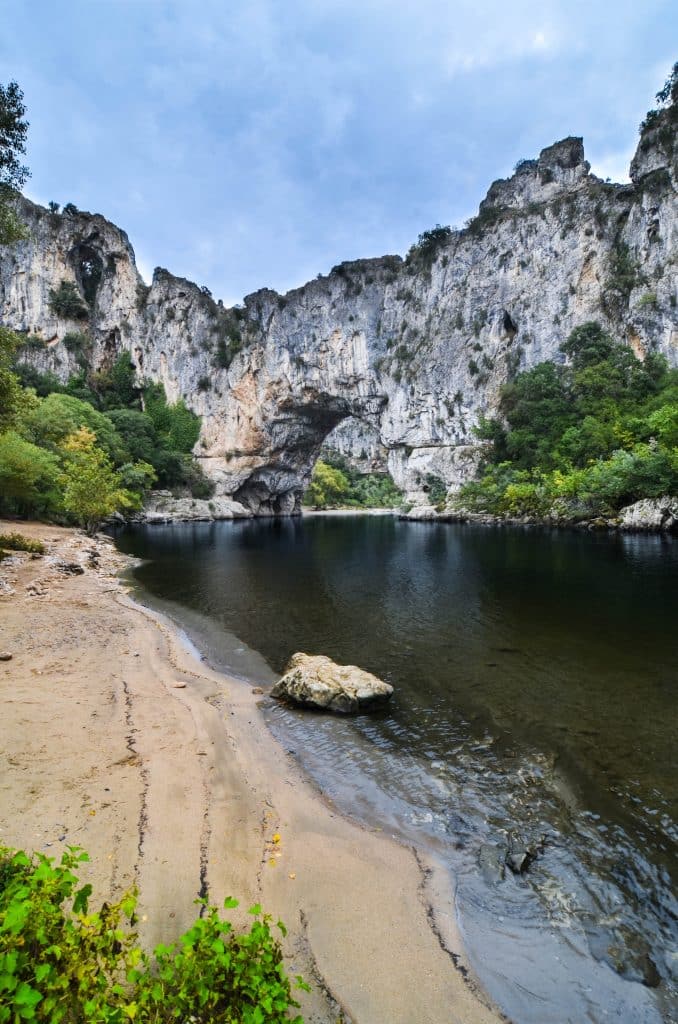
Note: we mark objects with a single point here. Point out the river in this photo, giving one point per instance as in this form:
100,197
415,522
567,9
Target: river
536,696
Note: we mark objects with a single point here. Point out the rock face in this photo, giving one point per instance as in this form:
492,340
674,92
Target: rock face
651,514
162,507
318,682
406,354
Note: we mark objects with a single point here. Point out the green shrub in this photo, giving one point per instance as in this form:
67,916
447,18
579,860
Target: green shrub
117,386
65,301
623,276
429,243
33,343
61,963
436,489
176,424
17,542
77,343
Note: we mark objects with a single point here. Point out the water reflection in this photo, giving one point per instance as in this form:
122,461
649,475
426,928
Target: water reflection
535,678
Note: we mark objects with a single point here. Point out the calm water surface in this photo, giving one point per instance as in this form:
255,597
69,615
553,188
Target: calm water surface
536,697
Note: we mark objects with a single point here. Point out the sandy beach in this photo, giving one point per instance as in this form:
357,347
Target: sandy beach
116,737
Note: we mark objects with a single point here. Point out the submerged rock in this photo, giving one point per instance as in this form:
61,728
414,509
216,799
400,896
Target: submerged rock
491,860
318,682
518,855
651,514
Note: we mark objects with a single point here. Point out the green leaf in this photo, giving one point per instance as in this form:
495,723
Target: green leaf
27,996
230,903
81,898
255,910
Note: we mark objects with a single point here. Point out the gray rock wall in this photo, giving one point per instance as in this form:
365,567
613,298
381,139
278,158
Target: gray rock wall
416,349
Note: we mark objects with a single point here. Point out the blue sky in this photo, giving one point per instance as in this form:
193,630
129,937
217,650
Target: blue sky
250,144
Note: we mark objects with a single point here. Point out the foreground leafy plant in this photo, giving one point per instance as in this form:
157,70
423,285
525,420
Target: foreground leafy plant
61,963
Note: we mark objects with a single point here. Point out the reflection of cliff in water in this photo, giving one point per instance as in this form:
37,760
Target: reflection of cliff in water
533,673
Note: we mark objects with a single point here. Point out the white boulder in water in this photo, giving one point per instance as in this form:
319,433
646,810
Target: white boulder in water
318,682
651,514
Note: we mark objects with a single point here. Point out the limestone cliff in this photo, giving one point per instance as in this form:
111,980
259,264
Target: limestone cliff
410,351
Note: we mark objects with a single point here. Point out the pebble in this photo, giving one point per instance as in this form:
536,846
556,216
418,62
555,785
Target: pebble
5,656
179,685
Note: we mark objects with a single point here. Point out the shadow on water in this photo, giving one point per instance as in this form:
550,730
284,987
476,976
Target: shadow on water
535,676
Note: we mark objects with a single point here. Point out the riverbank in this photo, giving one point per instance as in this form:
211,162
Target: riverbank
649,515
119,739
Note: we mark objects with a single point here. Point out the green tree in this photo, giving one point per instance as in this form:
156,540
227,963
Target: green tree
137,478
175,423
91,488
28,475
117,387
13,400
13,174
54,417
65,301
328,486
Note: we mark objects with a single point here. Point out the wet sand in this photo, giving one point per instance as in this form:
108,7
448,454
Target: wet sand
116,737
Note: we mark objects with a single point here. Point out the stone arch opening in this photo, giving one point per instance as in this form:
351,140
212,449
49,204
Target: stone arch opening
275,486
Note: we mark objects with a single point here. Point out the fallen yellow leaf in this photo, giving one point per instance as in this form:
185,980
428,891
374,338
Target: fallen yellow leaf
276,837
272,862
293,875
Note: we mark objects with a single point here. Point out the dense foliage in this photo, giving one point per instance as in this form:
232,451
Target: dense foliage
583,438
61,963
336,484
83,450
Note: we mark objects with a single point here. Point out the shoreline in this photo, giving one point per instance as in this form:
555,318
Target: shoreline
189,800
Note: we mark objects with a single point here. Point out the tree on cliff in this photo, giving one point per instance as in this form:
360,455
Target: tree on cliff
13,174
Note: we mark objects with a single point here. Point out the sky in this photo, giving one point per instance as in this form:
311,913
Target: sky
256,144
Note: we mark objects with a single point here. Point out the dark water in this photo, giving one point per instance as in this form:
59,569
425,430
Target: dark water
536,694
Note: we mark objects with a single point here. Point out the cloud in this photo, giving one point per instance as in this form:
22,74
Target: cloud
260,143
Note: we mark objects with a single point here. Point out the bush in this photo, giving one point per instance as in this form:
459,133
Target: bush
436,489
176,424
65,301
117,387
61,963
429,243
17,542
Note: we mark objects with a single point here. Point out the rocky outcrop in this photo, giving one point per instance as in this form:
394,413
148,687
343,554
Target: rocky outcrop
399,357
318,682
651,514
163,507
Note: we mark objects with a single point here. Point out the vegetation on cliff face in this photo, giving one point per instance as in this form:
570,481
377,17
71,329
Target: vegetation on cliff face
336,484
583,438
60,961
